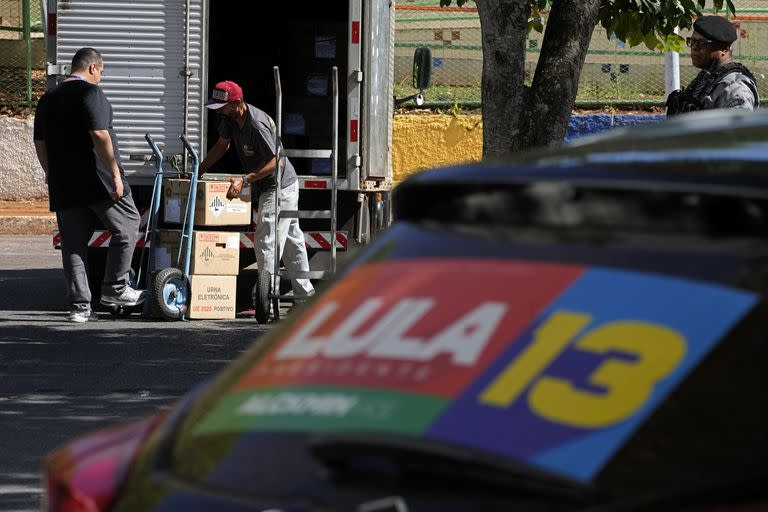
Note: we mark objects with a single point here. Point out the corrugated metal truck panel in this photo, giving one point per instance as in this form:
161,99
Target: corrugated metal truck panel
143,44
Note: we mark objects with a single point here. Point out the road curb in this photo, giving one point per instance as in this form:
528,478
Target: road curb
28,225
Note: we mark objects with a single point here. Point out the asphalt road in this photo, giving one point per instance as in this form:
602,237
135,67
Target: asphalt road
59,380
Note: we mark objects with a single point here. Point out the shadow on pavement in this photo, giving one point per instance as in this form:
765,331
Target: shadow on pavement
33,289
59,381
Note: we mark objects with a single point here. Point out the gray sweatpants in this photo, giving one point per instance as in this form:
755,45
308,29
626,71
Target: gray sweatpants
293,250
76,226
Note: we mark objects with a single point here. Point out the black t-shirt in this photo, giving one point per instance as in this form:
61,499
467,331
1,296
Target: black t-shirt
64,118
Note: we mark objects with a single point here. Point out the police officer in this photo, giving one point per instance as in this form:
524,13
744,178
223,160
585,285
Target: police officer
721,83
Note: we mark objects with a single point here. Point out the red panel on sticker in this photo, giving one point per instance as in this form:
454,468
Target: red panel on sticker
315,184
52,24
355,32
398,325
353,130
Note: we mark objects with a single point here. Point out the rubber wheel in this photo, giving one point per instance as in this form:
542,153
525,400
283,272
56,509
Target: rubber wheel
170,293
261,296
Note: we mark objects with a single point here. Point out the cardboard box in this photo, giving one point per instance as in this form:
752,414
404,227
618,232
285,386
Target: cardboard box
212,297
212,208
213,252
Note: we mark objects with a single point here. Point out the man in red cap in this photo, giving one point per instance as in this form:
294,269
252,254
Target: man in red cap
252,133
721,83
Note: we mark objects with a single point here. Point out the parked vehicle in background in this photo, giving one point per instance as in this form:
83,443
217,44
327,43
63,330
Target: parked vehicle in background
580,329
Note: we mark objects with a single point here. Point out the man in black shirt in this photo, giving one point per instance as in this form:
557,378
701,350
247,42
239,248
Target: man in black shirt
78,150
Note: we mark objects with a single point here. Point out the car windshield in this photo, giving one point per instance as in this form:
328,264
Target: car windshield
568,206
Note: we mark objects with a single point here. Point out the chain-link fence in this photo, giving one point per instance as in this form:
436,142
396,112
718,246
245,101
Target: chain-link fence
22,52
613,74
752,46
453,35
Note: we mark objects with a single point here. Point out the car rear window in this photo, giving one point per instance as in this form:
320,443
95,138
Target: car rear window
561,205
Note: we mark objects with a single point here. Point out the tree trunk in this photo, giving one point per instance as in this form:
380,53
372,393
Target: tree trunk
503,25
552,96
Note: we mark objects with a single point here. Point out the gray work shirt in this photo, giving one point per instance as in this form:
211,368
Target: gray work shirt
735,90
255,145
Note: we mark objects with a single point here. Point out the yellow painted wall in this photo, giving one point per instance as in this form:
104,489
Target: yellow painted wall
421,141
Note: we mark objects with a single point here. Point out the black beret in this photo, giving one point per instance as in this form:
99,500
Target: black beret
715,28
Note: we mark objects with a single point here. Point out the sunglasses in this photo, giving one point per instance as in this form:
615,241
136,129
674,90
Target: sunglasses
697,43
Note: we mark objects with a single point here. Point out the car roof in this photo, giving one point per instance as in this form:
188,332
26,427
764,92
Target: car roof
712,148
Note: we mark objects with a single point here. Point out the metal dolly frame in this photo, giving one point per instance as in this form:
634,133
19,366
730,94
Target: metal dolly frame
267,290
170,287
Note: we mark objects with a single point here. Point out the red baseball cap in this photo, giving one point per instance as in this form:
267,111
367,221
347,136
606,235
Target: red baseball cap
223,93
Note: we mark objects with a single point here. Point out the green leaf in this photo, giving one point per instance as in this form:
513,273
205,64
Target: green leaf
673,43
647,24
652,42
731,7
688,5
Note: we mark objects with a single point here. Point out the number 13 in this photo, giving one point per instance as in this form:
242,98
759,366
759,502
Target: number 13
658,351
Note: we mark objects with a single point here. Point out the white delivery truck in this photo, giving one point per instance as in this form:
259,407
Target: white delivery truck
162,57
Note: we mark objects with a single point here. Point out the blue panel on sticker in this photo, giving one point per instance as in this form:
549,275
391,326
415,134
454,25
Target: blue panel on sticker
541,423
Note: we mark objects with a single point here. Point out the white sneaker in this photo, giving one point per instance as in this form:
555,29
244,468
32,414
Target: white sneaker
80,316
129,297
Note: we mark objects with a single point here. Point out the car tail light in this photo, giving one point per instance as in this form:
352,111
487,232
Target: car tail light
86,475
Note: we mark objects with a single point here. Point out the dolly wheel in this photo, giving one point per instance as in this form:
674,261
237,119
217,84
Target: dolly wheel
170,293
261,292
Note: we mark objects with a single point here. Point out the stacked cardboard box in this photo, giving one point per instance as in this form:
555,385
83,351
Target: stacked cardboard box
214,264
214,253
212,208
215,256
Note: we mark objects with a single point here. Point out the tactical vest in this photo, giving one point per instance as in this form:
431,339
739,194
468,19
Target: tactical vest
691,98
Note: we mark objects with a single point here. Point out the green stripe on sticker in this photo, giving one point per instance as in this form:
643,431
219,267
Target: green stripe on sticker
323,409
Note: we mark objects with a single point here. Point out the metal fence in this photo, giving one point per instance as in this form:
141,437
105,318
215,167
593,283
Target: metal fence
613,73
22,52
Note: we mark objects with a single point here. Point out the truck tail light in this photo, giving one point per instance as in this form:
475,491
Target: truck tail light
88,474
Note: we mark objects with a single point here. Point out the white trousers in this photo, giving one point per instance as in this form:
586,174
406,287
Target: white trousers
292,246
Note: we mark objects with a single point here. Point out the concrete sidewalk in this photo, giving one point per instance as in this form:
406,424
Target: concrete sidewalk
26,218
